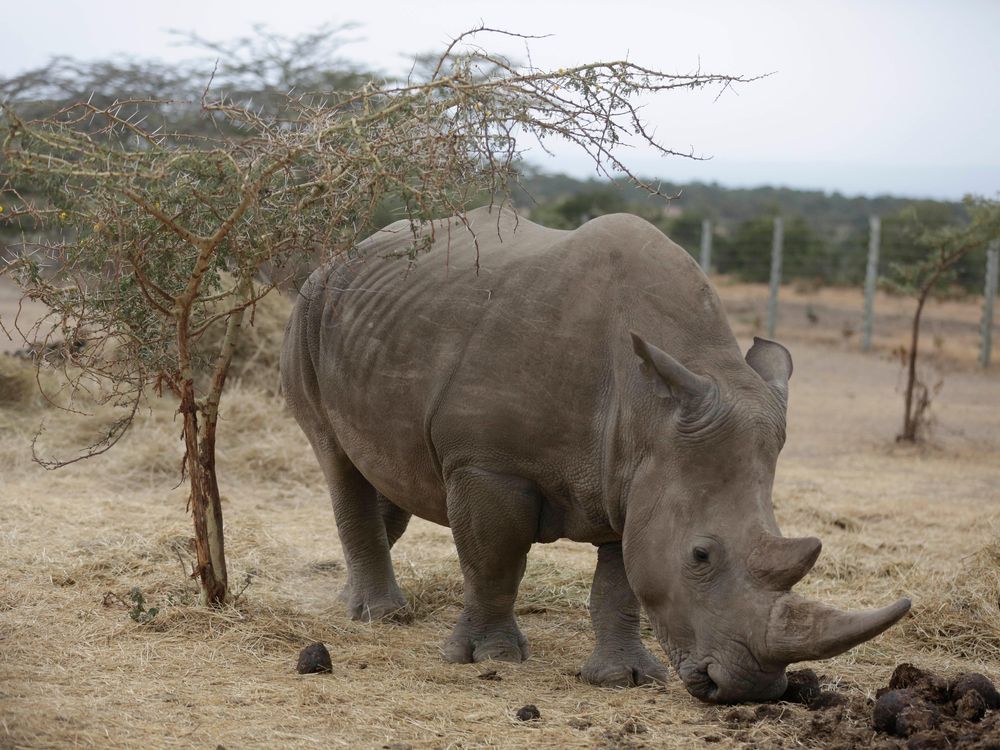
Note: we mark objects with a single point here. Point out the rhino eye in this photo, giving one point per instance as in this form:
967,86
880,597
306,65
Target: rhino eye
700,554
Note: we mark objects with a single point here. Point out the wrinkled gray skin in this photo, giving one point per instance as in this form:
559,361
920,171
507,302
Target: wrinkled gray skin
514,406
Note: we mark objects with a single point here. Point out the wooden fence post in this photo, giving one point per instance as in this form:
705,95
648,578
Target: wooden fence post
871,279
706,246
772,305
989,297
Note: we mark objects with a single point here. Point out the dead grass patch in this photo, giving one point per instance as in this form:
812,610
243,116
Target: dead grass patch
18,384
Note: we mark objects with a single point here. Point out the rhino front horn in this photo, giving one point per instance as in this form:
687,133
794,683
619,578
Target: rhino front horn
804,630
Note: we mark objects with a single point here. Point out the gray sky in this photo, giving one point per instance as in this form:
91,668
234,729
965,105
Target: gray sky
867,96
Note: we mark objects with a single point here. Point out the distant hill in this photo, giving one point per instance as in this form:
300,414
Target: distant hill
826,234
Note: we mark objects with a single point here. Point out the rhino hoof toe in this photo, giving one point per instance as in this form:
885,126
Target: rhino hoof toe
391,610
498,647
618,672
501,649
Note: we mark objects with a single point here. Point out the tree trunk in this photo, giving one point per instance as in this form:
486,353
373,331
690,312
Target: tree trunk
200,423
910,417
204,502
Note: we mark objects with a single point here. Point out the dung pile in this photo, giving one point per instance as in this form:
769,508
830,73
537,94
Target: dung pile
918,710
931,711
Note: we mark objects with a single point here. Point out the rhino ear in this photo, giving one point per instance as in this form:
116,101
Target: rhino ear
773,363
670,378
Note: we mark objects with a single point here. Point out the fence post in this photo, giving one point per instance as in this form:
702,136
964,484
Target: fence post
989,297
871,278
706,245
772,305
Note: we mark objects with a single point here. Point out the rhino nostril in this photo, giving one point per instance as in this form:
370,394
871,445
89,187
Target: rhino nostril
702,685
714,693
713,688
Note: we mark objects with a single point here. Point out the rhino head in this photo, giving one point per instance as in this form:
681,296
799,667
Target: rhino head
702,549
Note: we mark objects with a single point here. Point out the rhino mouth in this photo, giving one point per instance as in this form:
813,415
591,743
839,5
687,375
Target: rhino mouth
708,680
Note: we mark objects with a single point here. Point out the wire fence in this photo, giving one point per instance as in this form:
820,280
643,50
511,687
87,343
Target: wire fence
791,257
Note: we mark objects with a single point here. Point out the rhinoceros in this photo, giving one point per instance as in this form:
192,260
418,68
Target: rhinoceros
521,384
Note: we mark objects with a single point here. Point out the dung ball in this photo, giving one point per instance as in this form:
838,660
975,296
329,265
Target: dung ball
915,719
528,713
981,684
971,706
887,710
313,659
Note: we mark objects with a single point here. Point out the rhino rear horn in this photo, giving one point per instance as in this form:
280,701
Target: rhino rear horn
779,562
804,630
670,377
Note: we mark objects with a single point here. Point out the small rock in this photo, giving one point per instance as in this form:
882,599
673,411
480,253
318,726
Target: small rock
981,684
803,687
313,659
971,706
528,713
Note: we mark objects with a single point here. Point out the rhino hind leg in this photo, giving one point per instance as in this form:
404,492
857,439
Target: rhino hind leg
493,519
395,520
371,593
619,659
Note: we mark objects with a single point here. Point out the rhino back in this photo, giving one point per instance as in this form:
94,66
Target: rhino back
519,366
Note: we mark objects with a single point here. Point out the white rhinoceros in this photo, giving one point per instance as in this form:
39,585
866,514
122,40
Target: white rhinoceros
522,384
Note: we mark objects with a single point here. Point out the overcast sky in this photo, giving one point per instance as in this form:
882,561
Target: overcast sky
866,96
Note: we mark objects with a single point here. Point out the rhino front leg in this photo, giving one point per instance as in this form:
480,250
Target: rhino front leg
493,518
619,658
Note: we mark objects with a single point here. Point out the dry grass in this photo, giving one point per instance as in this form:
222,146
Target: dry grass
75,670
18,388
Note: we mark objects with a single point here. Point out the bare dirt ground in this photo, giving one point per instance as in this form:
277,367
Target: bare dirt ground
75,670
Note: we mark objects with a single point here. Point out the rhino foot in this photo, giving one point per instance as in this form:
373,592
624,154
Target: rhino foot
634,667
502,643
387,608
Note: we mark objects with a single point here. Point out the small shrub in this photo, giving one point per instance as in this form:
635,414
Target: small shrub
139,613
